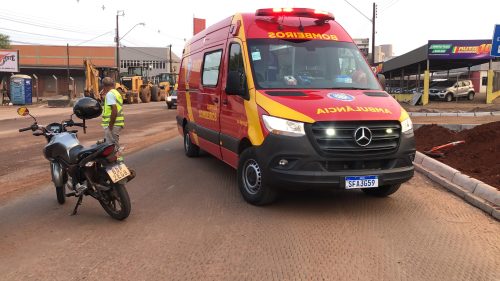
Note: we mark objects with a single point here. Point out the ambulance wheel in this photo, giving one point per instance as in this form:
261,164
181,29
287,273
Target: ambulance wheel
382,191
252,180
190,149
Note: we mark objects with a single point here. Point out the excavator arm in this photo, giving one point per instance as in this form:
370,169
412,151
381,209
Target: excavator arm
91,80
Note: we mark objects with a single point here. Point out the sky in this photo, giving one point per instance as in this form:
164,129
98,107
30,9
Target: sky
407,24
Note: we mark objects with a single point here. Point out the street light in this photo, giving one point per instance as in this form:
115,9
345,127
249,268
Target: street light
141,23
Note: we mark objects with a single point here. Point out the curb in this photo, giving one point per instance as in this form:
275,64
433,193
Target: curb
475,192
458,114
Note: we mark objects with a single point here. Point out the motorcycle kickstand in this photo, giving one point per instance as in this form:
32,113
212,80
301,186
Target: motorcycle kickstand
78,203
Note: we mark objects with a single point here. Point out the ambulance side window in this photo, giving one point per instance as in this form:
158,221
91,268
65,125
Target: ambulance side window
211,66
235,58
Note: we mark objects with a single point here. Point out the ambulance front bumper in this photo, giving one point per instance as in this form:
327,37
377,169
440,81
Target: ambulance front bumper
295,163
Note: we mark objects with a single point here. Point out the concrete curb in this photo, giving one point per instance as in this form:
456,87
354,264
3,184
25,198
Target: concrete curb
475,192
458,114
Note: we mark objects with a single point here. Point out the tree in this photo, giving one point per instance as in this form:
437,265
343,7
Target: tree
4,41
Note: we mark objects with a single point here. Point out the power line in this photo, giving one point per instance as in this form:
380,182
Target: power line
38,34
354,7
42,26
392,4
38,20
92,39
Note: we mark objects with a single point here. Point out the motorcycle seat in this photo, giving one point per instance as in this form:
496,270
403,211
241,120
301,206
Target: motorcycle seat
79,152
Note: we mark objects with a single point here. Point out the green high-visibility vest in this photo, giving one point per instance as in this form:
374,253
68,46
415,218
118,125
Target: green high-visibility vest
106,115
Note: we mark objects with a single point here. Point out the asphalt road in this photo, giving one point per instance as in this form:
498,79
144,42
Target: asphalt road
22,165
189,222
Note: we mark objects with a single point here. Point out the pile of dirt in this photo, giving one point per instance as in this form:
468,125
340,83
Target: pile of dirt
479,157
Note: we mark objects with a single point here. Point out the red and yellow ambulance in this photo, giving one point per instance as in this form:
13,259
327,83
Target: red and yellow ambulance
285,97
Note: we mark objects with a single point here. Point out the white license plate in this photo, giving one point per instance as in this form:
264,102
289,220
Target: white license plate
361,182
118,172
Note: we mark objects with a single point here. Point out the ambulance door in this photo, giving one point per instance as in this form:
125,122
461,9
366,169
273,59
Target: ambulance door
233,119
209,100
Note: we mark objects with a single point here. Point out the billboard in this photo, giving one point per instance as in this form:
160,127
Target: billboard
9,61
459,49
495,49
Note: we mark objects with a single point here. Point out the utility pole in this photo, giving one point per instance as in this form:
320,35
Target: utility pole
372,20
373,32
170,57
67,69
117,39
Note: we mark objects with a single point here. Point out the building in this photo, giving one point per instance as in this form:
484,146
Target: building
157,60
49,65
383,53
363,45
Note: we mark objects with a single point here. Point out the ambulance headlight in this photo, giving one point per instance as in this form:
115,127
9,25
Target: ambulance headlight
406,125
284,127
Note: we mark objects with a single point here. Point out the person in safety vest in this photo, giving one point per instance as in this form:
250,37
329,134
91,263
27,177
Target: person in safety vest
113,119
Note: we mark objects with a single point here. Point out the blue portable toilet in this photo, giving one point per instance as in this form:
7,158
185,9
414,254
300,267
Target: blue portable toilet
20,89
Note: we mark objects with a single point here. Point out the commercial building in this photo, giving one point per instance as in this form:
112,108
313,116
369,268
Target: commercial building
157,60
49,65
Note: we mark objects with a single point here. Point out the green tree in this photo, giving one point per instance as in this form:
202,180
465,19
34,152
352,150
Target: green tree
4,41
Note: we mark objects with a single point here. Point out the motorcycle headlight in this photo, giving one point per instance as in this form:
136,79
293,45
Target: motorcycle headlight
406,125
284,127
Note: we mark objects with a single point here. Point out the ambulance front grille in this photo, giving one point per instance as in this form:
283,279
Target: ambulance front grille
337,138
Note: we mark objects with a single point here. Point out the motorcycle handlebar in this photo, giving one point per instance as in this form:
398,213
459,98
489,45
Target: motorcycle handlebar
78,124
24,129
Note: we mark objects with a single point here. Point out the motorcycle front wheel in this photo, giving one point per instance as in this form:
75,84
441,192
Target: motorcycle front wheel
116,202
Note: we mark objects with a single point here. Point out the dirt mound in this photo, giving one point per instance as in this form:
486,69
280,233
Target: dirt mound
479,157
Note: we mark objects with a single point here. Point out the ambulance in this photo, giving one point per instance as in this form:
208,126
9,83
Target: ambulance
285,97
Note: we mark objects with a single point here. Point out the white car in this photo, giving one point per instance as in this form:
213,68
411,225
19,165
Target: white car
172,100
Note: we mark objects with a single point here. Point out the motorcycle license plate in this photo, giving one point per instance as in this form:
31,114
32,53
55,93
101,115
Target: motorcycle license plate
361,182
118,172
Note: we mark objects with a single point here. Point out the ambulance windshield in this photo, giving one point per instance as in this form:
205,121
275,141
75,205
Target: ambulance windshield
309,64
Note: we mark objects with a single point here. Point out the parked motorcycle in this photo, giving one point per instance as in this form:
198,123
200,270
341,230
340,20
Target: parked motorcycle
84,171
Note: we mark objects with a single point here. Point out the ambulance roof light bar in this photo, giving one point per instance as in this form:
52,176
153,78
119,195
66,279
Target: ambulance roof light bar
295,12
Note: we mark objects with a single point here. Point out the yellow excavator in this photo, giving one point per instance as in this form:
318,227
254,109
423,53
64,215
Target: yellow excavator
92,77
167,82
138,83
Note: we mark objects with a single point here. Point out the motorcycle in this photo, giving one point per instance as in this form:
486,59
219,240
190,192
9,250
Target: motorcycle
83,171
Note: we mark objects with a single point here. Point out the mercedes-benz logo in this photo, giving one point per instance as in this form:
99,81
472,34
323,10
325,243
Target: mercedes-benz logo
363,136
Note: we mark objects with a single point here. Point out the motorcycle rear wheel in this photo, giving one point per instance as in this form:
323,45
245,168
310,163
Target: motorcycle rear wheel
116,202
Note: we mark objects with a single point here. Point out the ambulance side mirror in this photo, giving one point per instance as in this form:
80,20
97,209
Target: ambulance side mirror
381,79
236,83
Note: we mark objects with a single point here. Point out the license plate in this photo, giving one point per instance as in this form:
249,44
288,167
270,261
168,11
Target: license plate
361,182
118,172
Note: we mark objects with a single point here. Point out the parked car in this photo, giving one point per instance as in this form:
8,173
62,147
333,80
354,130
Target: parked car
448,90
172,100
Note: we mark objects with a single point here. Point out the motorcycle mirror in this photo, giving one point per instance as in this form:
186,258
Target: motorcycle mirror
23,111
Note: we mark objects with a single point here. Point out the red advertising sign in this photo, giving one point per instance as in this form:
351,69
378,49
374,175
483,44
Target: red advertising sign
198,25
